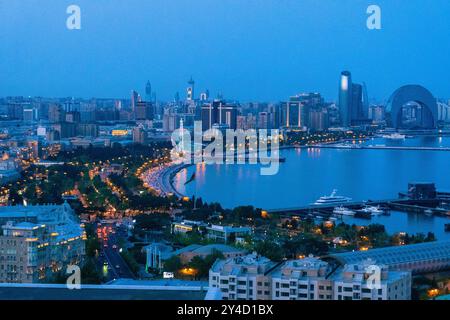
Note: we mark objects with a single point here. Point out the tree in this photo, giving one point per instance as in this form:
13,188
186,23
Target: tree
173,264
270,250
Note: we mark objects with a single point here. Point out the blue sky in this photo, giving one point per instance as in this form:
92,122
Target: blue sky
246,49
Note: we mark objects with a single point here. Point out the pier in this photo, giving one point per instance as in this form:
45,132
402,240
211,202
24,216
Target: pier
376,147
430,207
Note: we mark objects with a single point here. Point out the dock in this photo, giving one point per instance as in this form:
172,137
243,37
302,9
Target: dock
376,147
430,207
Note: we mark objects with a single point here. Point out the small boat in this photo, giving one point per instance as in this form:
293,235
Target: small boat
374,211
394,136
428,212
343,211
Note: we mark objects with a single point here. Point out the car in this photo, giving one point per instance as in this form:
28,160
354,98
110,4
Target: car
117,266
114,246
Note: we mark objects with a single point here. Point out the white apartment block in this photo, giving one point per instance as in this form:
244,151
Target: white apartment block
353,283
303,279
257,278
242,278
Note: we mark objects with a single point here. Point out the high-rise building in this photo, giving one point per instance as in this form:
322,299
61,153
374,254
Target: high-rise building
263,120
87,130
55,113
353,101
190,90
143,111
30,114
73,117
219,113
376,113
148,92
135,98
318,119
345,98
357,108
140,135
295,113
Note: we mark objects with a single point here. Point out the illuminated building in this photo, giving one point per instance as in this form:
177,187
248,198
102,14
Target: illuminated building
242,278
254,277
39,241
352,100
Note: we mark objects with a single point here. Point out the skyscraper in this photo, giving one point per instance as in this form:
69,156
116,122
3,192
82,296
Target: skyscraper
143,111
148,92
219,113
295,115
190,90
134,100
353,100
345,98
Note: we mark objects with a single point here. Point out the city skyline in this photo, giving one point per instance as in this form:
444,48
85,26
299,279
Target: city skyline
257,150
294,49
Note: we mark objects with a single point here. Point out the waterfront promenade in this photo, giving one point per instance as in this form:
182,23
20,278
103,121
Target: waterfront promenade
160,179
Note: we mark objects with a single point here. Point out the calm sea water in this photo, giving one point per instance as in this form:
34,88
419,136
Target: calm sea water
308,174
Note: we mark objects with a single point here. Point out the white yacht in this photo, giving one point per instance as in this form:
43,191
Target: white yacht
394,136
343,211
374,211
332,199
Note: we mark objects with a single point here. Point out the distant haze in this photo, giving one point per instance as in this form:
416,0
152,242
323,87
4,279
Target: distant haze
251,50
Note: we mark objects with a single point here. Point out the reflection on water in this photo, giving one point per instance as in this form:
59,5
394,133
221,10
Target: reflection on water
308,174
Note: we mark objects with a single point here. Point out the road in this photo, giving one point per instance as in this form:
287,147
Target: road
110,255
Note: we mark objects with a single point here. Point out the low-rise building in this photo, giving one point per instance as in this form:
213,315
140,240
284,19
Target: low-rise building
226,234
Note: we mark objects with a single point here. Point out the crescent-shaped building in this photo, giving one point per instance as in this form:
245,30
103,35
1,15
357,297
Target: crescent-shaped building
413,95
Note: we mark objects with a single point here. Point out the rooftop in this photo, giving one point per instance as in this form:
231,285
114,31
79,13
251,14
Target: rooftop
400,255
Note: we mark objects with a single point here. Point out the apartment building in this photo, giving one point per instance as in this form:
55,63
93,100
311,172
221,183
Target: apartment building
354,283
303,279
242,278
38,241
253,277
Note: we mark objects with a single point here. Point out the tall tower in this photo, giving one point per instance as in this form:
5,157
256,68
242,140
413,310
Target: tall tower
365,97
148,92
134,100
345,98
190,90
